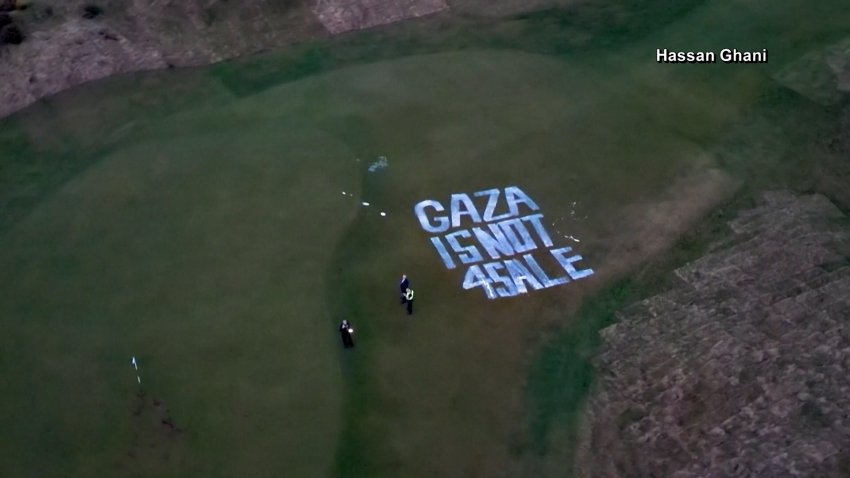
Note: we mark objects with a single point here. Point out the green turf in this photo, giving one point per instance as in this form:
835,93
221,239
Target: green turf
195,219
179,252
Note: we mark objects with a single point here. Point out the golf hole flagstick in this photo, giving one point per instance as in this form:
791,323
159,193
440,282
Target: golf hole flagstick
135,365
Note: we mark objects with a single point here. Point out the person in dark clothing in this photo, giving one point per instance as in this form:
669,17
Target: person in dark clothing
346,331
403,286
408,299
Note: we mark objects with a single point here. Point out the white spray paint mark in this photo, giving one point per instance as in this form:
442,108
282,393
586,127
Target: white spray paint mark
381,163
572,216
490,291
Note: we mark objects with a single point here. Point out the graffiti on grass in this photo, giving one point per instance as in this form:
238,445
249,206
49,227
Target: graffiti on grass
500,237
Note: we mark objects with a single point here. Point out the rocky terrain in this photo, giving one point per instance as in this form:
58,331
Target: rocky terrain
822,76
340,17
70,42
47,46
742,368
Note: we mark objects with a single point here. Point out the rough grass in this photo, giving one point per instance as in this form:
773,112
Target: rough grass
562,373
575,29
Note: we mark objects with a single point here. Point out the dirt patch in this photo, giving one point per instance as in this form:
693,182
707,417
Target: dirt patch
341,16
646,229
156,439
67,45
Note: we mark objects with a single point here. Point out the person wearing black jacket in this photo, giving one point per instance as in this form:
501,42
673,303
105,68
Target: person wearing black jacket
346,331
408,299
405,283
406,293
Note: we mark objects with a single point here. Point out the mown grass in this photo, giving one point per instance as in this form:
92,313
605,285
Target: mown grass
562,374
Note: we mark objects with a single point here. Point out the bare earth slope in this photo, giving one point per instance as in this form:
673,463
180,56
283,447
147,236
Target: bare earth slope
69,42
741,370
64,48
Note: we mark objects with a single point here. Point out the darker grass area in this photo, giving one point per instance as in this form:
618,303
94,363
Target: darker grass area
360,442
562,373
582,28
772,143
29,171
361,449
599,24
788,141
27,175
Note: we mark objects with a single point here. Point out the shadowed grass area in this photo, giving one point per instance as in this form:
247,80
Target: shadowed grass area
562,373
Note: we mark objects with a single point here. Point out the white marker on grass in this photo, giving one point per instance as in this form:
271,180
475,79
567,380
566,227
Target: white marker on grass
383,213
135,365
364,203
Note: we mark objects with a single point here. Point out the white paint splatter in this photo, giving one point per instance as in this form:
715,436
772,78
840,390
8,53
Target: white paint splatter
381,163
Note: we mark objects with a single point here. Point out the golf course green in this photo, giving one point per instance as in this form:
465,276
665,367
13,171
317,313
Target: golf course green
211,223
